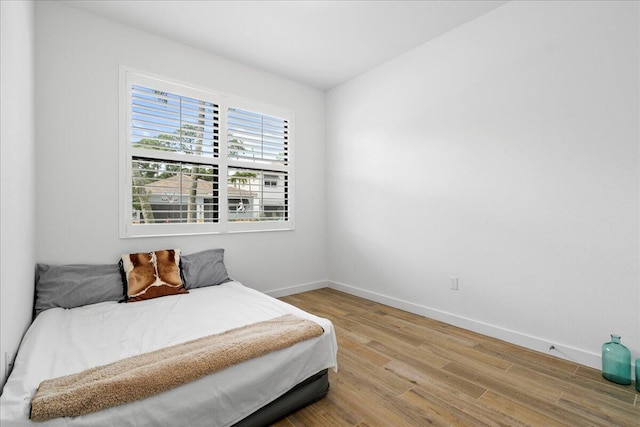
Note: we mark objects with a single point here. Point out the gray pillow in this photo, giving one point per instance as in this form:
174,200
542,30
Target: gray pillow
204,268
69,286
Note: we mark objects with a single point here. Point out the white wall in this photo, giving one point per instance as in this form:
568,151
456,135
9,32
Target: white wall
17,180
505,153
79,55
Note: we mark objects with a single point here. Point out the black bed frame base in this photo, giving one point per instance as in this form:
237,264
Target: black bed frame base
305,393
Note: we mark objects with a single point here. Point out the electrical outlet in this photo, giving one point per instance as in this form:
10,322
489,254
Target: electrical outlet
454,283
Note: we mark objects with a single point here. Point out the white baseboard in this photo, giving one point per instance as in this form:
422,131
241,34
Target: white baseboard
534,343
283,292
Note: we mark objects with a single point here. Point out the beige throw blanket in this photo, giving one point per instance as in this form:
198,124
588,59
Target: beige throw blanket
148,374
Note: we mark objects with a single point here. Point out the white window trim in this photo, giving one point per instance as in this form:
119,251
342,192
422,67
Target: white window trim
224,101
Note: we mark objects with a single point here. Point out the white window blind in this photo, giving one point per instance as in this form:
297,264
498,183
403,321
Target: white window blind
173,192
170,122
251,200
174,167
258,153
257,138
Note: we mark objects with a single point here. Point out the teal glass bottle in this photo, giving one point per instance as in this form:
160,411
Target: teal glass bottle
638,374
616,361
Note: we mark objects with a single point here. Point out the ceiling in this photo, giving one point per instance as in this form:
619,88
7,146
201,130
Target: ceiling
318,43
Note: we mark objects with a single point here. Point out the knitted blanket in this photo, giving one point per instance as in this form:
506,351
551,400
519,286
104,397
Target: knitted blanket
151,373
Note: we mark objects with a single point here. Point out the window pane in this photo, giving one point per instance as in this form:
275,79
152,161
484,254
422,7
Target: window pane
257,138
168,122
257,195
173,192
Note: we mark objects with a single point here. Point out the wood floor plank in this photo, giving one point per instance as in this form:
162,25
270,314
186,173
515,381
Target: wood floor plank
321,415
592,379
334,413
467,355
373,376
462,409
522,355
608,394
415,356
603,415
387,329
370,402
352,334
426,376
524,413
429,334
507,388
362,351
444,412
401,369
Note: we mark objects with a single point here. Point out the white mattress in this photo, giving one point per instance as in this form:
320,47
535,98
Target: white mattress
62,342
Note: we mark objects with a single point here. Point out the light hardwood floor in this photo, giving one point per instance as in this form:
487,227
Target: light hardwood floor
400,369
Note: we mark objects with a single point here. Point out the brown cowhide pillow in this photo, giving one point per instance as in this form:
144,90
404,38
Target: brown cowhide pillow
152,274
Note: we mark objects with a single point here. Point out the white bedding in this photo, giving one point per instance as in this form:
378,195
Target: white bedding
66,341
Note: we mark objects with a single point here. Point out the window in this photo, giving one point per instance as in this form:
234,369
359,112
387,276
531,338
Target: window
186,149
271,180
258,200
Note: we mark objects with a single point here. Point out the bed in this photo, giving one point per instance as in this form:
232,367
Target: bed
64,341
